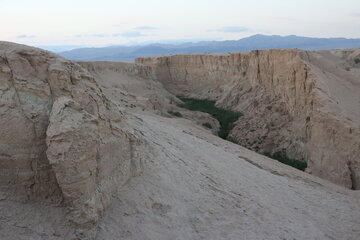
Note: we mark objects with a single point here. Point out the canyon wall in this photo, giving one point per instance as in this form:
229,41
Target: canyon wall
300,103
89,151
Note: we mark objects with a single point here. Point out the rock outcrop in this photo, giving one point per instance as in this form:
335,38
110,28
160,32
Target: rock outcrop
62,139
88,151
301,103
135,87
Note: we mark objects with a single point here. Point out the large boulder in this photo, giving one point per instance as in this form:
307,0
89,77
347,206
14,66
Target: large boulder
62,141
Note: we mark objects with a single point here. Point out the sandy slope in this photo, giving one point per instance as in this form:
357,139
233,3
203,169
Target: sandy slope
194,185
197,186
145,175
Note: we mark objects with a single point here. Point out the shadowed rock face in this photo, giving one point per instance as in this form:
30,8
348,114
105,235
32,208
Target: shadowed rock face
303,103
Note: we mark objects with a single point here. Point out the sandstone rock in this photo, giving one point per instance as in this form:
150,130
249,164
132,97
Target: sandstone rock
62,139
301,102
90,153
135,88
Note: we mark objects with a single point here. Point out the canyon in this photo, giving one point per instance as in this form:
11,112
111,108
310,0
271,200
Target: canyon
90,151
303,104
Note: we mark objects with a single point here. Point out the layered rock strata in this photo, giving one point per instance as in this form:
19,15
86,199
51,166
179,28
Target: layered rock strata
88,151
63,141
301,103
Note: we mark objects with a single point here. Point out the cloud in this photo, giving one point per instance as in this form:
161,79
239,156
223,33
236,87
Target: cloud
100,35
130,34
355,14
145,28
233,29
96,35
26,36
282,19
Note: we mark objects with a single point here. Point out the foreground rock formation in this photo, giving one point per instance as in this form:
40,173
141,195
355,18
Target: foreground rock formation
62,139
88,151
300,103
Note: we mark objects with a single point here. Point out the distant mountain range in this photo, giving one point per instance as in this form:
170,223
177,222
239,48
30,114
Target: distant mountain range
129,53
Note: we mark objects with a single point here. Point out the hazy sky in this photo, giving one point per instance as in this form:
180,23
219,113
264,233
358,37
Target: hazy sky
107,22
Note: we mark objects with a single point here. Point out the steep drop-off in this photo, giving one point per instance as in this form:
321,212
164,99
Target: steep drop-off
305,104
88,151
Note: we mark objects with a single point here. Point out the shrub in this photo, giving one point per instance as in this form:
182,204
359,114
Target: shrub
357,60
281,157
230,139
226,118
207,125
175,114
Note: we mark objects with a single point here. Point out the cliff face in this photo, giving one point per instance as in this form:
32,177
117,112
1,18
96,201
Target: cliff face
88,151
305,104
62,141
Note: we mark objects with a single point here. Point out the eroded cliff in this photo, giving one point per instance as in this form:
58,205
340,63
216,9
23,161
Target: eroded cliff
301,103
63,141
89,151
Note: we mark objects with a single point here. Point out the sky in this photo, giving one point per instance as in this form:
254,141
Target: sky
125,22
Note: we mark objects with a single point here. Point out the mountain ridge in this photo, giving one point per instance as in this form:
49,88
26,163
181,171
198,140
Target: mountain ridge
254,42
